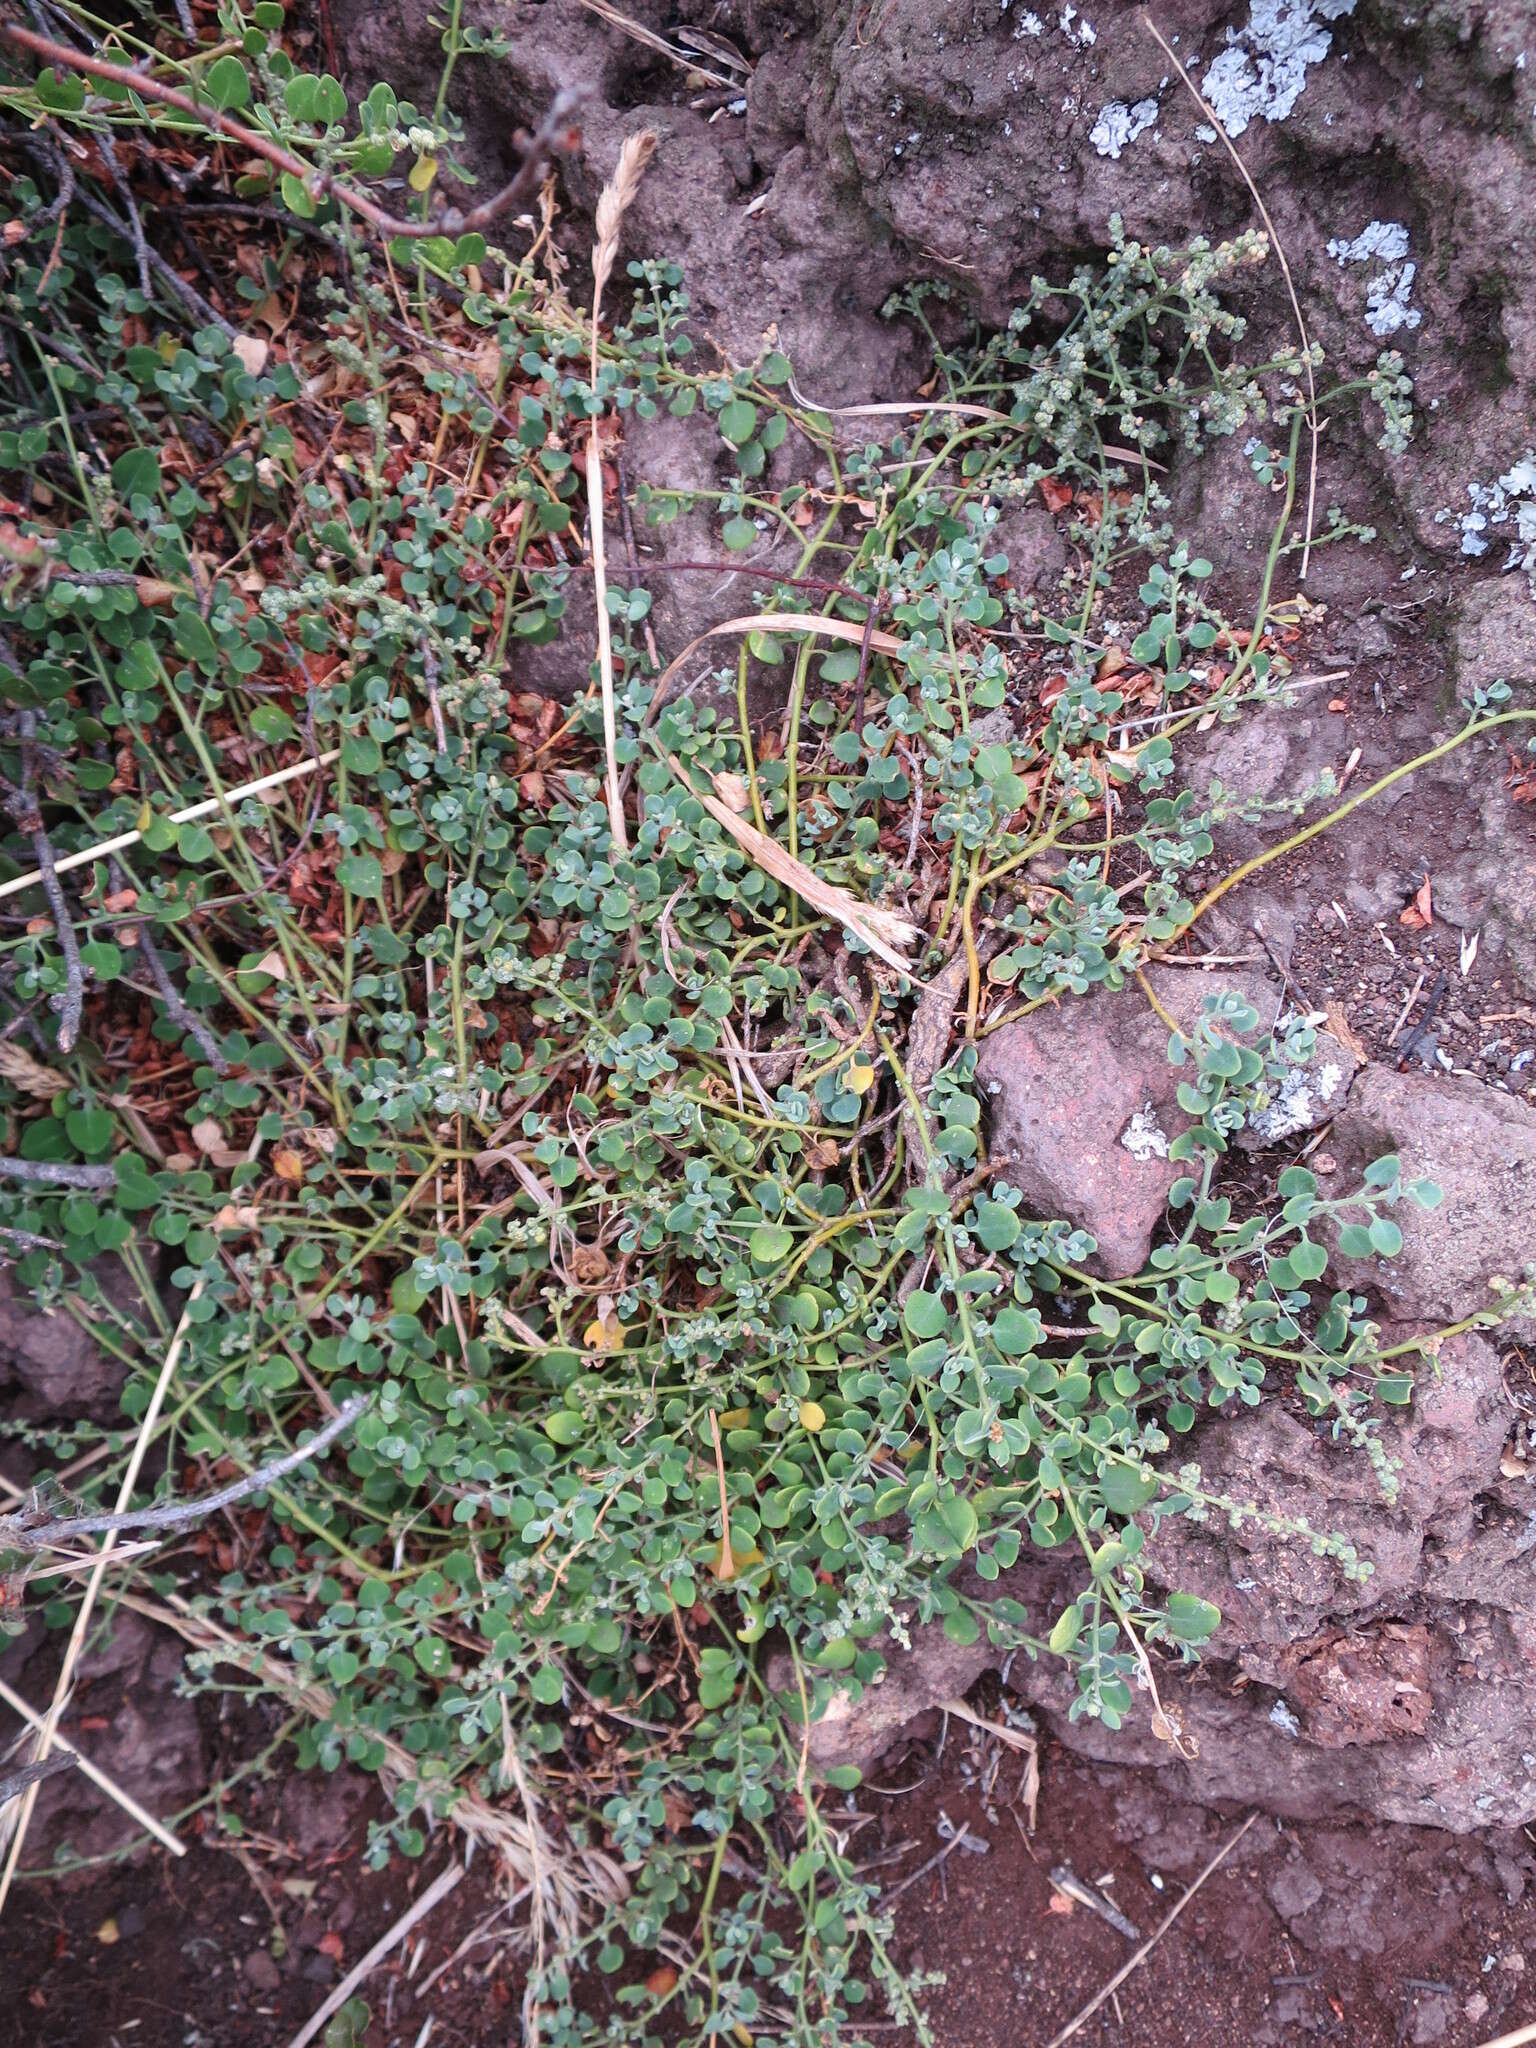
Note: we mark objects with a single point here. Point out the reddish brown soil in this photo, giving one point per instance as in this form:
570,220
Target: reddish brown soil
1372,1937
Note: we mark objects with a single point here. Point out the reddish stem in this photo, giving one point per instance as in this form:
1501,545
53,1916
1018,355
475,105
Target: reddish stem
555,132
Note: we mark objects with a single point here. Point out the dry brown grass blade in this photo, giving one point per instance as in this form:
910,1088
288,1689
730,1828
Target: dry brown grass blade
777,622
908,407
1285,270
617,196
78,1761
390,1939
1135,1961
885,933
74,1648
208,808
29,1075
660,45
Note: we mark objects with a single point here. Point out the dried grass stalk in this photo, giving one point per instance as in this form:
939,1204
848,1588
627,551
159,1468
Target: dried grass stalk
29,1075
777,622
16,1825
883,931
617,196
563,1887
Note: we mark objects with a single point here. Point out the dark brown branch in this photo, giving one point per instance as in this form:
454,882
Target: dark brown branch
157,263
16,1534
32,1774
141,249
170,995
31,822
555,134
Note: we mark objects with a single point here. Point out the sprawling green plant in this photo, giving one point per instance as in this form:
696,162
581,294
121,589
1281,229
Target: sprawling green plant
693,1317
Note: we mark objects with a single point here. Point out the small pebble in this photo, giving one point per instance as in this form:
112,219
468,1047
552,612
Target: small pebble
261,1973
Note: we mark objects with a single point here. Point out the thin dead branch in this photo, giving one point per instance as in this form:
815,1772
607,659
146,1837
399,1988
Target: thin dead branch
58,1173
554,135
14,1782
67,1757
30,819
74,1648
28,1533
184,1019
1134,1962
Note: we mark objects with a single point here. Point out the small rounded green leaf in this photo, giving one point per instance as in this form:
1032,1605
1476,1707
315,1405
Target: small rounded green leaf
737,421
924,1315
226,84
769,1244
997,1225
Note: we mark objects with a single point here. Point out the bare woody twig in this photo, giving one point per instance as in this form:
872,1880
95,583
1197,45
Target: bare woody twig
170,995
33,1774
58,1173
27,1241
31,822
136,226
67,1758
15,1534
554,134
1134,1962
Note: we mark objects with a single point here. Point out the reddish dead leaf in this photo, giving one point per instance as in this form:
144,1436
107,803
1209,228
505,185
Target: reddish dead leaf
330,1944
662,1982
1338,703
25,549
1521,779
1420,913
1057,495
1060,1903
120,900
287,1164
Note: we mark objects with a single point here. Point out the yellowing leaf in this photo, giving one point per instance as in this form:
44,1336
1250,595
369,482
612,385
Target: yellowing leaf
423,171
605,1332
858,1076
812,1416
733,1418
